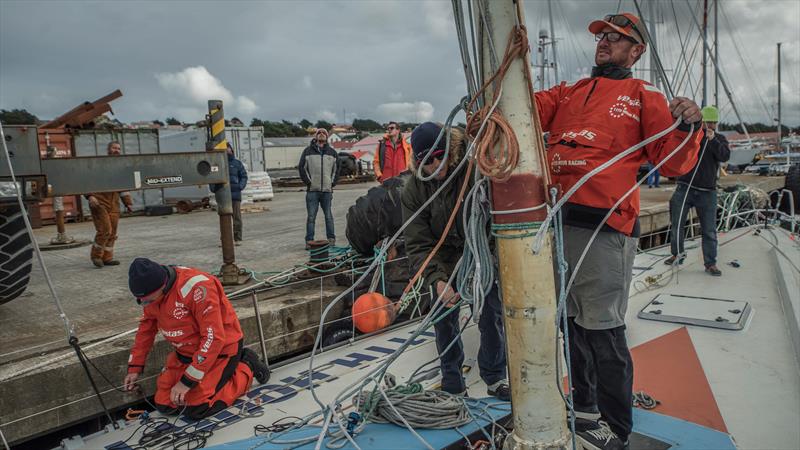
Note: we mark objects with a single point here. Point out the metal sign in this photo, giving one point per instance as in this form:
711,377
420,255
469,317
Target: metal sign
163,181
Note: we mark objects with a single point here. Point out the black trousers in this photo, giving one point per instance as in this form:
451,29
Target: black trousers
602,375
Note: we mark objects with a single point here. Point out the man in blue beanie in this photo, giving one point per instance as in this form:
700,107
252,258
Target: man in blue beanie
422,235
209,368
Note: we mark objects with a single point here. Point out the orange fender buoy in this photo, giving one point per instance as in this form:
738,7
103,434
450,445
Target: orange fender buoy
372,312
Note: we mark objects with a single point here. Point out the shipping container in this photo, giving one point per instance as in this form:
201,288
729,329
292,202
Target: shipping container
133,142
247,146
57,143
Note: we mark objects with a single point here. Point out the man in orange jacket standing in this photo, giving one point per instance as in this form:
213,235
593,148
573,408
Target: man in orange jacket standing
209,368
105,215
590,122
393,154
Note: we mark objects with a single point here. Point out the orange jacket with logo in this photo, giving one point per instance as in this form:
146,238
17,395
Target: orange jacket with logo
196,317
379,163
595,119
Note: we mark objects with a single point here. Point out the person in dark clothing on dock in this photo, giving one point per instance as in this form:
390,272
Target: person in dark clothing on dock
698,189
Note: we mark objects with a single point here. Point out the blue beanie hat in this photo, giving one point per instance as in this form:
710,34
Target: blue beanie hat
145,277
422,139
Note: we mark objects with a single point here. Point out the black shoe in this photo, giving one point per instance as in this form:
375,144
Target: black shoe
671,260
582,424
501,391
111,262
260,369
601,438
97,262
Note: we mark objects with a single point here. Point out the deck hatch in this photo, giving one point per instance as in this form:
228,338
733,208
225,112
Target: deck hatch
701,311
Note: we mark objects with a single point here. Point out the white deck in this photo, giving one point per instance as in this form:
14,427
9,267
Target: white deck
753,373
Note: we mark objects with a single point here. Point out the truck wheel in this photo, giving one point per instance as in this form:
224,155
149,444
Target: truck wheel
16,254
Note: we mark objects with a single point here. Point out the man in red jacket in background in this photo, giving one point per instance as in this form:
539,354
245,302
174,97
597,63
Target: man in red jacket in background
209,368
590,122
393,154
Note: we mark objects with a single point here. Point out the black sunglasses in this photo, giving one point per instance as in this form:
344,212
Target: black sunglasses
622,21
613,36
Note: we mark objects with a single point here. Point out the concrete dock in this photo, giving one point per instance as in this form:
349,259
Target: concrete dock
100,306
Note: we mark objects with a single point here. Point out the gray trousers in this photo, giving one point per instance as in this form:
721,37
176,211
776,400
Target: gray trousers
598,299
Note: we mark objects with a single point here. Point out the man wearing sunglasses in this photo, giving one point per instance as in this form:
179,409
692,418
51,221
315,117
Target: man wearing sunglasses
393,154
590,122
423,234
209,368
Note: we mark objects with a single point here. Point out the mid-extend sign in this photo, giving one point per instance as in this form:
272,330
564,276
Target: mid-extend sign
162,181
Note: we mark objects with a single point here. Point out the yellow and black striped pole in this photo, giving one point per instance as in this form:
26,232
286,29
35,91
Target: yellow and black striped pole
216,125
229,273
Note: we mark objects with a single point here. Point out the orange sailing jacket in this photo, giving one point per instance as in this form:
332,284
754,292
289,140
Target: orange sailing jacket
592,121
388,164
196,317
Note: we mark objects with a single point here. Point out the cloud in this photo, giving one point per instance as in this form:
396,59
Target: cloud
192,87
439,18
406,111
306,83
327,115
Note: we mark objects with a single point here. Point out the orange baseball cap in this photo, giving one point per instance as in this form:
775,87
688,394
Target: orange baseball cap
625,23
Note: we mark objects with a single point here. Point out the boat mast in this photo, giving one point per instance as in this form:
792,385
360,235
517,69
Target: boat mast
721,78
716,52
705,51
779,105
653,30
527,281
556,80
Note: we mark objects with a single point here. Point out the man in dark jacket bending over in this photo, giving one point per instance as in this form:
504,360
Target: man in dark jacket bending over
421,236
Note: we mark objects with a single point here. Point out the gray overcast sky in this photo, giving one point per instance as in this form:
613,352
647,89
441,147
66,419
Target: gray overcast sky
313,59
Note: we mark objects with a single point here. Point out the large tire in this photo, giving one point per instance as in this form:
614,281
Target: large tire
793,184
16,254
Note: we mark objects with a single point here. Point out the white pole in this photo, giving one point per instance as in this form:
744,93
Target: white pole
528,287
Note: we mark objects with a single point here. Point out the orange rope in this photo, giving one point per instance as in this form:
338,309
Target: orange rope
497,165
498,149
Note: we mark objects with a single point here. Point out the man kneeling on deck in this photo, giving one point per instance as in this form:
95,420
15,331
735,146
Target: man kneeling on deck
422,234
209,368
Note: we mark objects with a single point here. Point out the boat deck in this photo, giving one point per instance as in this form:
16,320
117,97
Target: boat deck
712,385
98,303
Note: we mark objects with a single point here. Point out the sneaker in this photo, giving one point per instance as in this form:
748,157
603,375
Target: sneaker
501,390
601,438
260,369
61,239
714,271
97,262
585,420
582,424
332,242
111,262
237,243
671,260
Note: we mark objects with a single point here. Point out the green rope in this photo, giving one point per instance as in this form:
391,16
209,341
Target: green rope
531,227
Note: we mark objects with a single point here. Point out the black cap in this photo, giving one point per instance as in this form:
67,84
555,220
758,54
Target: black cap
422,139
145,277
